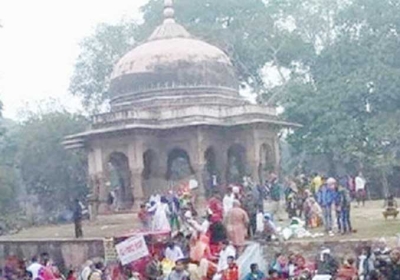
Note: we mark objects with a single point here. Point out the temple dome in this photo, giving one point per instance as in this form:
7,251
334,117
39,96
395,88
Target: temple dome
172,59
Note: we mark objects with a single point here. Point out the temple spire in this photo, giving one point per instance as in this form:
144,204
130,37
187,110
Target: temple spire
169,11
169,28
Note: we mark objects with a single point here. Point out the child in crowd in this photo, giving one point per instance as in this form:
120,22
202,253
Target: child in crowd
273,275
255,273
232,272
270,229
348,271
144,216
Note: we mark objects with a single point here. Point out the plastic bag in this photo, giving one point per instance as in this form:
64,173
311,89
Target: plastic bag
287,233
252,254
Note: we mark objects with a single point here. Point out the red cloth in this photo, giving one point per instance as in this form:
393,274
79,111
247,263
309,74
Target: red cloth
215,205
215,249
46,273
232,273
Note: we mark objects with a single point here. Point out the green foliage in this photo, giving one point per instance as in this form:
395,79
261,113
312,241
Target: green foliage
349,106
54,175
95,63
9,178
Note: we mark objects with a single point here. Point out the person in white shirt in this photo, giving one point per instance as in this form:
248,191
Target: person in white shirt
34,267
360,183
227,202
173,252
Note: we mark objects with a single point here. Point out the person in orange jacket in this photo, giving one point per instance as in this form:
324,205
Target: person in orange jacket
232,272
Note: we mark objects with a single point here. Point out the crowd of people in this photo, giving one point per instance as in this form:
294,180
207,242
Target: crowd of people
38,268
206,242
371,262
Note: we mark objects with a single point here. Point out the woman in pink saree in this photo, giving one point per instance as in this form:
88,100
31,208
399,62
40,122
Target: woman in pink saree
236,222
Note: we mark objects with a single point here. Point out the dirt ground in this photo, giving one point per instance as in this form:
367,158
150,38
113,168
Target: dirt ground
367,220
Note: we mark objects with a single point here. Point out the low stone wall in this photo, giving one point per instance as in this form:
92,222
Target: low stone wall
310,249
73,253
66,253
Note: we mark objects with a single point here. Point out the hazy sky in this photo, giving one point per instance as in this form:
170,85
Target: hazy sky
39,43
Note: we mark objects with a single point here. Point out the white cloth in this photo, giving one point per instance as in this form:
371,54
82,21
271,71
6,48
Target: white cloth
198,228
361,260
229,251
227,203
214,180
322,277
193,184
85,273
160,218
174,254
360,183
260,222
205,226
34,268
155,198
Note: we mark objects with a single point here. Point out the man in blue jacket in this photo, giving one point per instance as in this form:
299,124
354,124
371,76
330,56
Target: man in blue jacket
326,198
255,273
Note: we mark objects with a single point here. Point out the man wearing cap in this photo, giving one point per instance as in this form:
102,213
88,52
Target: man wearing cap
275,194
326,197
179,272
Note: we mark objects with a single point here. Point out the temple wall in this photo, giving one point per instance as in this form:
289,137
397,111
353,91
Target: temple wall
195,140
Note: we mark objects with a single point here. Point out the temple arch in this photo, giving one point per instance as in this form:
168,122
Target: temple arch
151,181
236,168
120,179
178,165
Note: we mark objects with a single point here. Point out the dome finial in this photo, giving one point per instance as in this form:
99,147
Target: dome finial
169,11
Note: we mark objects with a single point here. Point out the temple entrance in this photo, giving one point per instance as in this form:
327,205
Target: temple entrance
150,173
211,173
267,162
236,164
178,165
120,180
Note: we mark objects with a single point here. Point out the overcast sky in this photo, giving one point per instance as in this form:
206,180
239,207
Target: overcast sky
39,43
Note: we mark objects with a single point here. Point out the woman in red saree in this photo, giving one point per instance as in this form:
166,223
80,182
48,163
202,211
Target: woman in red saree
216,208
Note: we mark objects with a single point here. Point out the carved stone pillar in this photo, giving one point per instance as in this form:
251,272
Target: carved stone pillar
137,186
252,170
200,191
223,163
101,192
277,156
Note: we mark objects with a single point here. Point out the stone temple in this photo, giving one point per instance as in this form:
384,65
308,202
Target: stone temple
176,114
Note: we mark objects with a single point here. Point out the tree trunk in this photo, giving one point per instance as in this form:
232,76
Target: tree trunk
385,184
